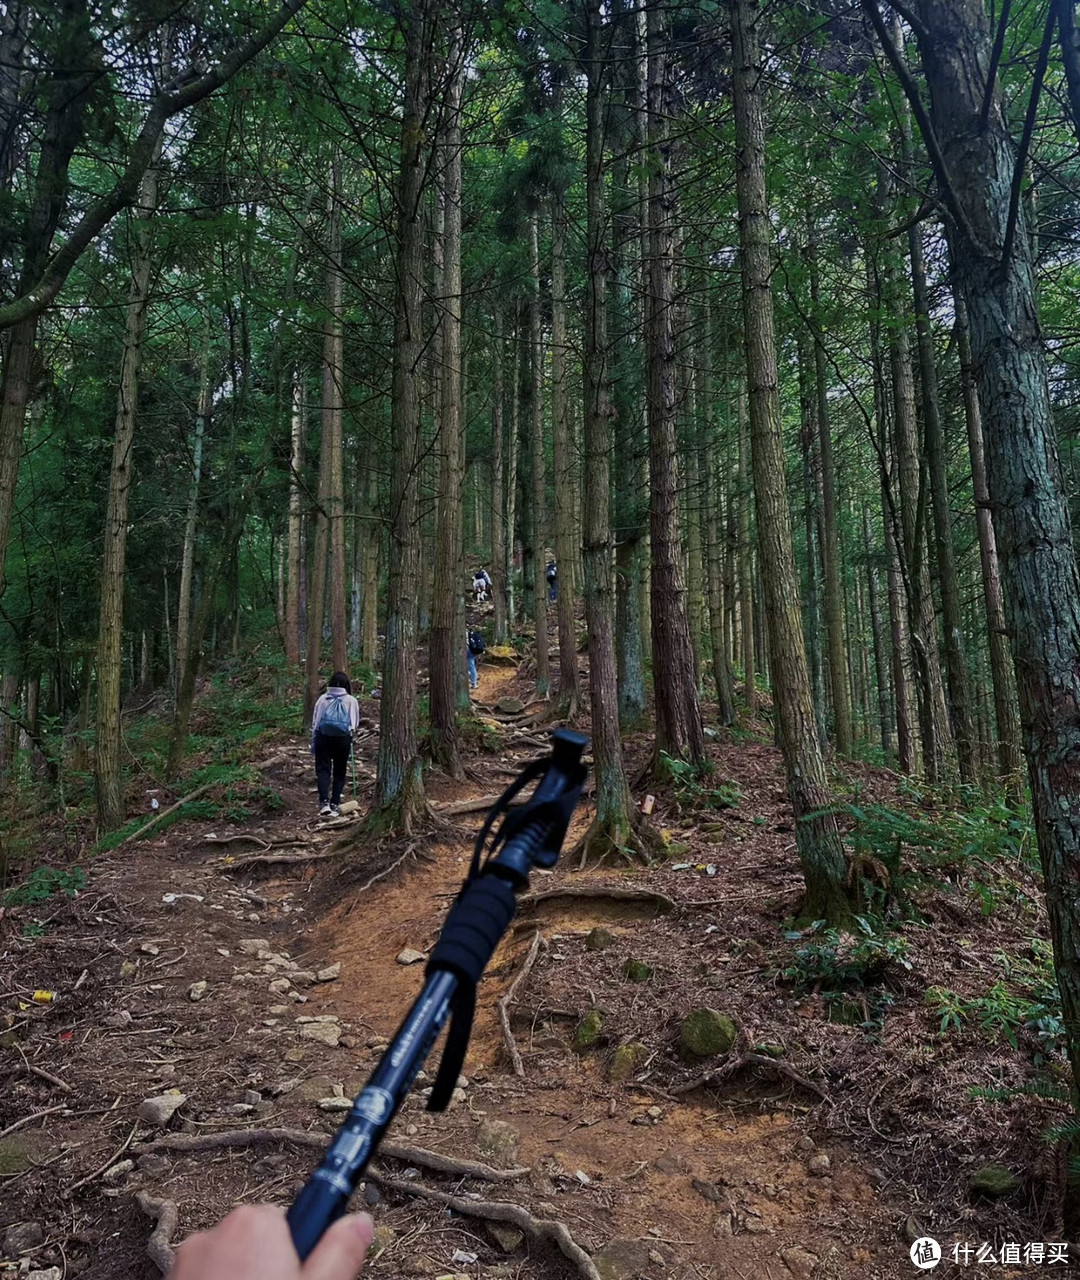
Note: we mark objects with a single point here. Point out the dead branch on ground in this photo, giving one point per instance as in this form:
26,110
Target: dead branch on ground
750,1060
503,1005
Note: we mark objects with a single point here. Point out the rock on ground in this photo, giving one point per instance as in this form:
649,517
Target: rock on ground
160,1109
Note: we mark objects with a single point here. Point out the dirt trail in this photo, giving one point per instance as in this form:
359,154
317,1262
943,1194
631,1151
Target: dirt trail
709,1185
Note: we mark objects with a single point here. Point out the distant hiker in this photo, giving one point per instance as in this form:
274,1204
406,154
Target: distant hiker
336,715
481,585
474,647
552,575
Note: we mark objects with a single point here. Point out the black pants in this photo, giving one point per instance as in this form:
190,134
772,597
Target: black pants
331,759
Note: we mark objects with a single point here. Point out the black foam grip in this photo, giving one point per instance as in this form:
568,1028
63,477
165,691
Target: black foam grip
476,923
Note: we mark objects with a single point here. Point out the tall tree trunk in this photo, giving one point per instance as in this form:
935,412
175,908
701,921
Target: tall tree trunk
187,562
820,849
399,784
830,543
536,454
808,439
293,557
563,462
952,622
881,678
318,575
721,663
107,773
612,830
499,567
1009,754
1031,515
372,538
679,731
333,419
447,637
746,576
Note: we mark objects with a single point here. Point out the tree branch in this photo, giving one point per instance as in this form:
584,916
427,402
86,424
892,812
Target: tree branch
177,97
1025,139
911,92
995,58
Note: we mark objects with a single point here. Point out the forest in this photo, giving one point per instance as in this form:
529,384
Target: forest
715,365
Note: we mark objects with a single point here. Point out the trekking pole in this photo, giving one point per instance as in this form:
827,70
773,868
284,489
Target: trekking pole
529,837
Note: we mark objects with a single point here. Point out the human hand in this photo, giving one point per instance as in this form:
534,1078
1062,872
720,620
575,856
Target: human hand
253,1243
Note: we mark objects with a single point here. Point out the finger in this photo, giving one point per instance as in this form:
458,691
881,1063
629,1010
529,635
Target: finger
340,1253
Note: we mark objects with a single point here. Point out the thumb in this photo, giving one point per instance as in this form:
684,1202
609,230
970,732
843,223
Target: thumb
340,1253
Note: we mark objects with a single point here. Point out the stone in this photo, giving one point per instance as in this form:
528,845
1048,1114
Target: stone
238,1109
769,1049
706,1034
149,949
622,1259
278,1010
280,987
349,806
285,1086
410,956
252,1097
588,1031
328,1033
599,939
328,974
252,946
805,1143
508,1238
302,977
707,1190
372,1195
656,1257
799,1261
154,1166
118,1171
197,991
628,1059
384,1237
121,1019
819,1164
637,971
994,1180
128,970
335,1104
499,1142
49,1273
671,1162
22,1237
510,706
159,1110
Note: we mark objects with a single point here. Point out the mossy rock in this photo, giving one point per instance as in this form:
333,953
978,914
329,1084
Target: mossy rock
589,1031
628,1059
19,1152
994,1180
637,971
599,939
770,1049
510,706
706,1034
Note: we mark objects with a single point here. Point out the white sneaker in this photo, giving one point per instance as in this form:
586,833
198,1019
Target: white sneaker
325,811
335,812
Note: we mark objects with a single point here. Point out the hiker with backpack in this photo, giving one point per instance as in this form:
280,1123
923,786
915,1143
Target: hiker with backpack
336,716
474,647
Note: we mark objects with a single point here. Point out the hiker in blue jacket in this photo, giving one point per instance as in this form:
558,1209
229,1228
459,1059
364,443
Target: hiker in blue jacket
336,715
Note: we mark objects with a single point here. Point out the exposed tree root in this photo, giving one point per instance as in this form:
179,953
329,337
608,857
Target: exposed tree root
618,893
276,860
233,1139
749,1060
545,1229
503,1005
606,840
166,1217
